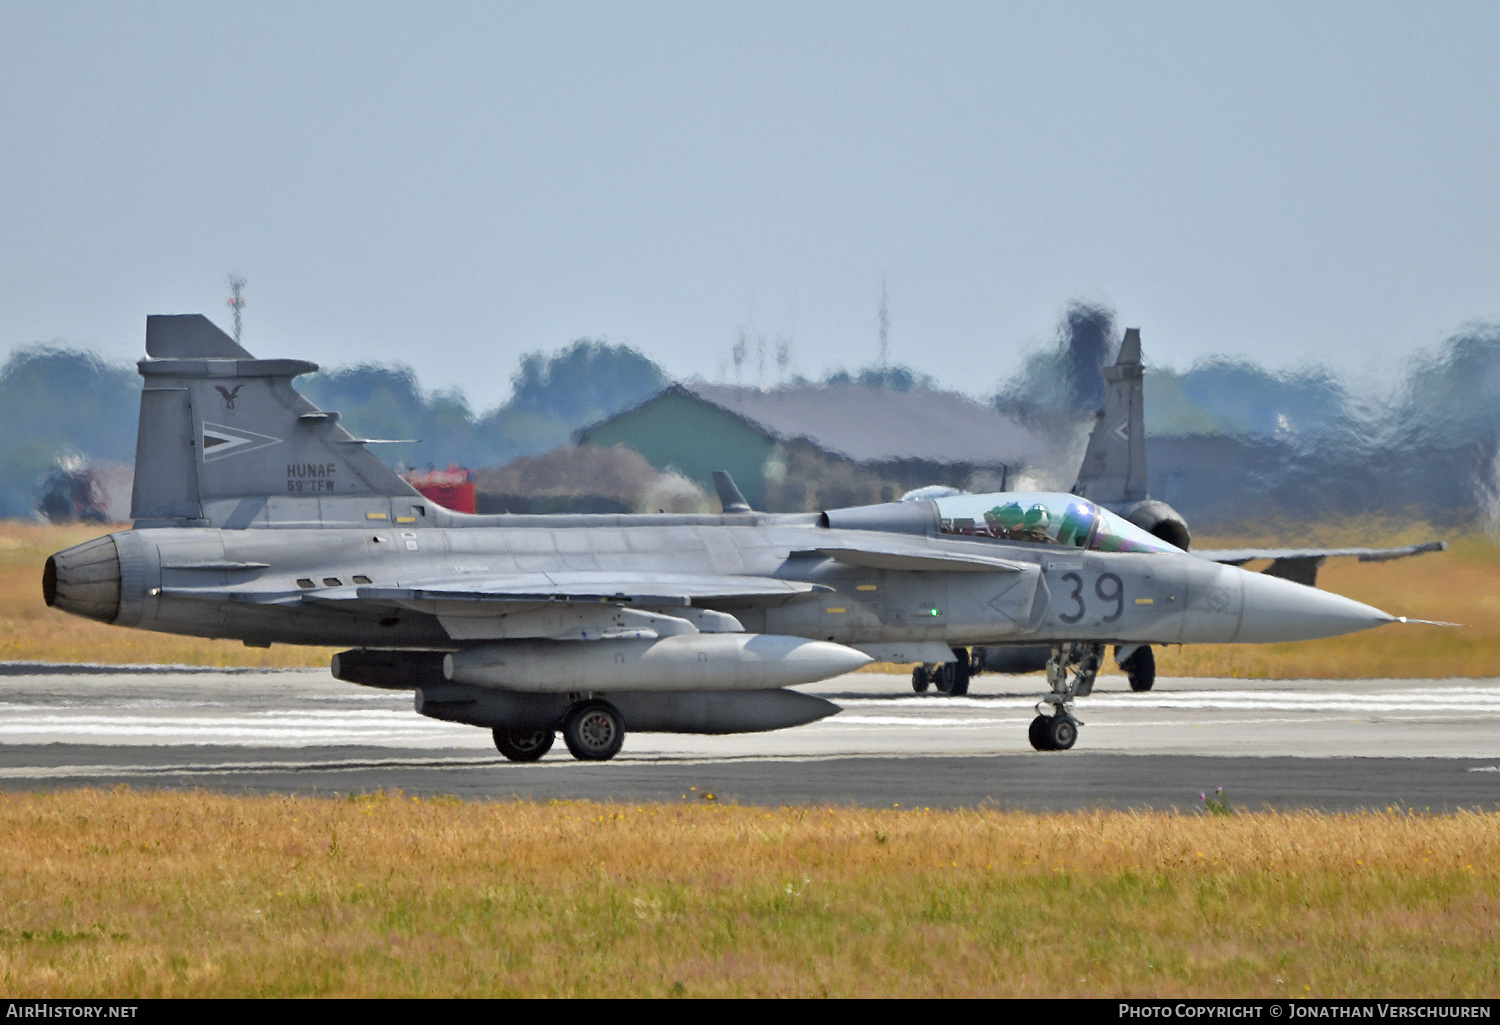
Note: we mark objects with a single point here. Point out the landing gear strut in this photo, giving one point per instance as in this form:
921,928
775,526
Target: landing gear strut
1070,673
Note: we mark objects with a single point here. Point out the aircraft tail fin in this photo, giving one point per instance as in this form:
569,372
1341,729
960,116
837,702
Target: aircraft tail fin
1114,466
226,441
730,497
189,336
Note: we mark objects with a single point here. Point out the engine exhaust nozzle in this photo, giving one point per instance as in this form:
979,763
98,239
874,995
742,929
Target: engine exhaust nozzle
85,580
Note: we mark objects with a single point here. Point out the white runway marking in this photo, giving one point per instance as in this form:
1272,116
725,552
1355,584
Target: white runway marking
1444,718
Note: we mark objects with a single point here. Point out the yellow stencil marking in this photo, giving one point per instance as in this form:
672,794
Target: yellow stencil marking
866,587
376,516
836,610
1145,601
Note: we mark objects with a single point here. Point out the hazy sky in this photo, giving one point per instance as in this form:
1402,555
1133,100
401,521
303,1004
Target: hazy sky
451,185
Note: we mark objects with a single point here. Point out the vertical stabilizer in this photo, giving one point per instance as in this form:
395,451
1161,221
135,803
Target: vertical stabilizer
730,498
189,336
1114,467
226,441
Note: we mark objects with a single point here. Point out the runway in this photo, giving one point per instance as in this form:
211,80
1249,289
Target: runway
1287,744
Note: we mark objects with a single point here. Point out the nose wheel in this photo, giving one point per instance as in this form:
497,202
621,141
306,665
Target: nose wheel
1053,733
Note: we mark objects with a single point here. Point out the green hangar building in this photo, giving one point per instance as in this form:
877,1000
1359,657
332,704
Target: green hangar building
807,447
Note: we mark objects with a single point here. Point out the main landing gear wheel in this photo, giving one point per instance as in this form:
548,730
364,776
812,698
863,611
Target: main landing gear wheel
959,672
593,731
1053,733
953,677
1140,668
920,679
523,746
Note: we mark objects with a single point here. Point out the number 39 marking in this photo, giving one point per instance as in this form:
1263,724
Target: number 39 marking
1108,588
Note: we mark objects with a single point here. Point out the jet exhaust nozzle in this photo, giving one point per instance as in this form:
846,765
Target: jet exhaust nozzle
85,580
674,663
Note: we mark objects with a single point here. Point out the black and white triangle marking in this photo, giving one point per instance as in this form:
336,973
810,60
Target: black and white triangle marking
220,441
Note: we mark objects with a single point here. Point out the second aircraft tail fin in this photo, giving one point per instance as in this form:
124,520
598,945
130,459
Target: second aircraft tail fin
1114,466
730,497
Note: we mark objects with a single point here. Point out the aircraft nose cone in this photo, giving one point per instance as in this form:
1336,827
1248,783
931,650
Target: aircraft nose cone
1280,610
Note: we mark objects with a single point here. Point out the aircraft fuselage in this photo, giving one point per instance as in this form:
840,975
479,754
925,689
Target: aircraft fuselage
288,586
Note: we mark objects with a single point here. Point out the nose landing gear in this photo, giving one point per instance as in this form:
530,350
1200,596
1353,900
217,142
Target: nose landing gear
1071,672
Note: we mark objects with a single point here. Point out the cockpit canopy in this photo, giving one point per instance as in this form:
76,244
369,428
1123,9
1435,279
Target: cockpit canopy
1044,518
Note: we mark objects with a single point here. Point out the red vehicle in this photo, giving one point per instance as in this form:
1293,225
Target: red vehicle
452,488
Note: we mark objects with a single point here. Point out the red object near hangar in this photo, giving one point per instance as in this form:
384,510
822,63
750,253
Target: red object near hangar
452,488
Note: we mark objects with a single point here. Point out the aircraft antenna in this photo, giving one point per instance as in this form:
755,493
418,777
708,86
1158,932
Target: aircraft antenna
236,301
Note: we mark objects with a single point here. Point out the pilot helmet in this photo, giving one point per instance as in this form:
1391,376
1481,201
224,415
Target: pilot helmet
1009,515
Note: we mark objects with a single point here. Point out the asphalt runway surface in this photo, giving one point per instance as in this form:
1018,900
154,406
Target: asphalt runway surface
1323,744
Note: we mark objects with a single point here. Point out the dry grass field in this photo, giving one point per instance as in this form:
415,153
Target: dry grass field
1461,585
186,893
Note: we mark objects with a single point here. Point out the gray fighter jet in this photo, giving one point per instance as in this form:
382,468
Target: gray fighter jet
259,518
1113,475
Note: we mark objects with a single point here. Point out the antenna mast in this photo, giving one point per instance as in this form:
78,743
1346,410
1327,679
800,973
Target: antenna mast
236,302
885,325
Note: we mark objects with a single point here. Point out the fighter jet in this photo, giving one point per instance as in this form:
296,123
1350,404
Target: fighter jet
1113,475
259,518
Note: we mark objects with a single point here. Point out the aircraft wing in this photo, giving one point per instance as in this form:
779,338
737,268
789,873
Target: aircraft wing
914,558
647,589
1301,564
1240,556
516,593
